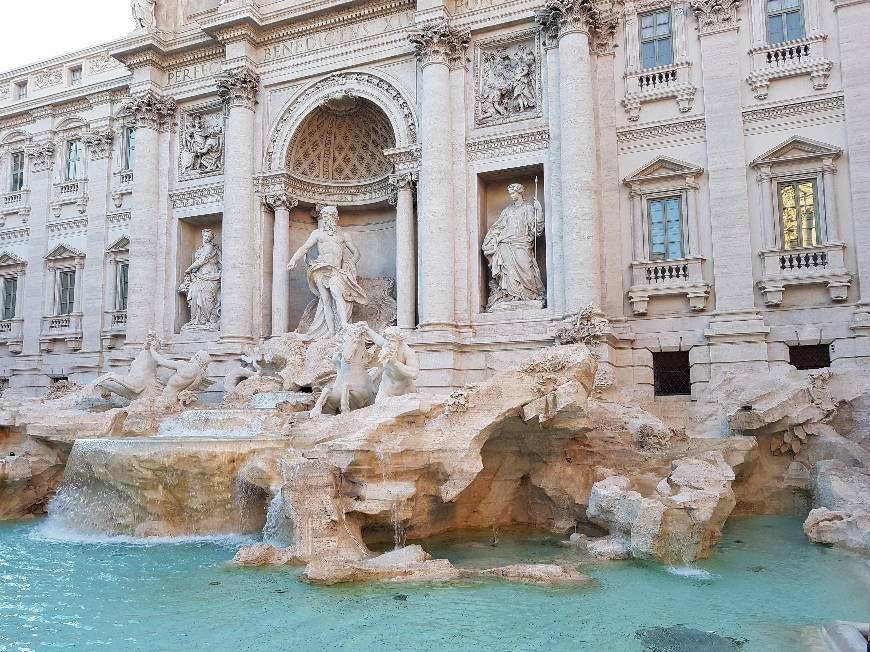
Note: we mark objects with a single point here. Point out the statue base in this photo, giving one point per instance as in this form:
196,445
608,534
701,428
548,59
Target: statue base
515,306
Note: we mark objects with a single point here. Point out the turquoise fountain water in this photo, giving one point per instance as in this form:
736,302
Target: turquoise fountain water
767,586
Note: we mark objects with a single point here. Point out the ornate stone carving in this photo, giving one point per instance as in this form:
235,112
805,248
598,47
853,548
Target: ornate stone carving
202,285
238,88
41,156
281,200
143,13
398,366
141,378
510,250
332,275
149,111
353,387
102,63
438,42
211,194
715,15
202,149
508,80
188,376
48,77
99,143
507,144
559,17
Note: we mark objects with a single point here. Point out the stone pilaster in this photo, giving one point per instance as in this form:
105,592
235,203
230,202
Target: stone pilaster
571,24
437,45
238,89
281,205
151,114
406,251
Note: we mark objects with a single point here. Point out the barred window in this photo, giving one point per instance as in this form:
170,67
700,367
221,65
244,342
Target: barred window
17,172
785,20
66,292
655,39
812,356
666,228
799,214
10,292
671,373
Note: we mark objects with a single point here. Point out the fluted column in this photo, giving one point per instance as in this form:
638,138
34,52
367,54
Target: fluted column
238,88
571,22
436,43
406,268
150,114
281,205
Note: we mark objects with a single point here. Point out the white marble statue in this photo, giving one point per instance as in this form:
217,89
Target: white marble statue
398,363
353,387
188,376
202,146
202,285
140,380
143,13
510,249
332,274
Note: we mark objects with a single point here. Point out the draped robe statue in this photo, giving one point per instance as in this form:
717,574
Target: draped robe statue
509,247
202,284
332,275
143,13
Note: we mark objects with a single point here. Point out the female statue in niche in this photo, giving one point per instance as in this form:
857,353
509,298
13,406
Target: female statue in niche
509,247
202,284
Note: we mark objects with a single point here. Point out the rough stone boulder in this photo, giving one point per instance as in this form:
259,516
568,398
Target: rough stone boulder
29,474
679,522
410,563
841,516
264,554
545,574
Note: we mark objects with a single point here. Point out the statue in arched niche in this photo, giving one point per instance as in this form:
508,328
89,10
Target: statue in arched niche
202,285
332,274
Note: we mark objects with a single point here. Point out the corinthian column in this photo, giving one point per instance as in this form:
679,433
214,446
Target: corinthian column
238,89
570,22
150,114
406,268
281,205
436,44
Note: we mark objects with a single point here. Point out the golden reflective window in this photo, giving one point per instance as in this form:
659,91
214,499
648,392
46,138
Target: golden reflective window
799,214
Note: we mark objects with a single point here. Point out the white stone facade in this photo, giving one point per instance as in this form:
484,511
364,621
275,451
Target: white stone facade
413,118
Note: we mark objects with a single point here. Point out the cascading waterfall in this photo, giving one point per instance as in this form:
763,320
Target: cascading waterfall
279,529
397,506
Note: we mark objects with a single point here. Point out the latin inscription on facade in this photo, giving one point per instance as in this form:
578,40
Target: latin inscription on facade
337,36
192,73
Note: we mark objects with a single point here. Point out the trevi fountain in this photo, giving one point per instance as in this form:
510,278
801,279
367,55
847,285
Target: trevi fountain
462,325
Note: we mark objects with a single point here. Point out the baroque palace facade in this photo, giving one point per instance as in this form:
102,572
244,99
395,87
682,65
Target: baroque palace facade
698,171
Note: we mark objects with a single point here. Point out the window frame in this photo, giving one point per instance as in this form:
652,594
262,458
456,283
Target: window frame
122,285
664,196
21,89
7,279
20,155
61,302
128,136
795,181
80,161
781,14
72,75
655,39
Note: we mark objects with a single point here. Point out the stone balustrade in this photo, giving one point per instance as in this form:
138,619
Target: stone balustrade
14,202
12,334
822,264
805,56
61,328
660,83
656,278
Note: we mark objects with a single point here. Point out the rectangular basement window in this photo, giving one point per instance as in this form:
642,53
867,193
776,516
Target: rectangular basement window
813,356
671,373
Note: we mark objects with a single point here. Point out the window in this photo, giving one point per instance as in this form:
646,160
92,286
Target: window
785,20
10,291
123,275
671,373
655,39
128,148
21,90
799,215
17,172
75,76
75,160
666,228
814,356
66,291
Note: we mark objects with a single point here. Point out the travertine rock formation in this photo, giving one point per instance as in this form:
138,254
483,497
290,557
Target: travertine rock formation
841,499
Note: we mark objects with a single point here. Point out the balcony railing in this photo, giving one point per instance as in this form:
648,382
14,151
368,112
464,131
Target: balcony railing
12,334
14,202
66,328
804,56
682,276
661,83
821,264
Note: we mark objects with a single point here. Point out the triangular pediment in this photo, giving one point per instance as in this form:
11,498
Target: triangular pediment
663,167
797,148
10,260
121,244
62,251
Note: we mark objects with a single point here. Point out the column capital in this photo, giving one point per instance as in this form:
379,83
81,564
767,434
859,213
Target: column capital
598,20
280,200
404,180
149,111
41,156
99,143
238,87
437,42
715,16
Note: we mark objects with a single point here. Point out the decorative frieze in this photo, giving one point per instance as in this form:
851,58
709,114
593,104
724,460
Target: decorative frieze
14,236
507,144
41,156
68,228
238,88
149,111
507,77
202,143
782,111
438,42
660,135
404,159
101,63
48,77
211,194
99,143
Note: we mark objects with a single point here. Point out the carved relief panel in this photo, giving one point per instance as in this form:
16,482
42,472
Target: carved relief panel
201,142
507,77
